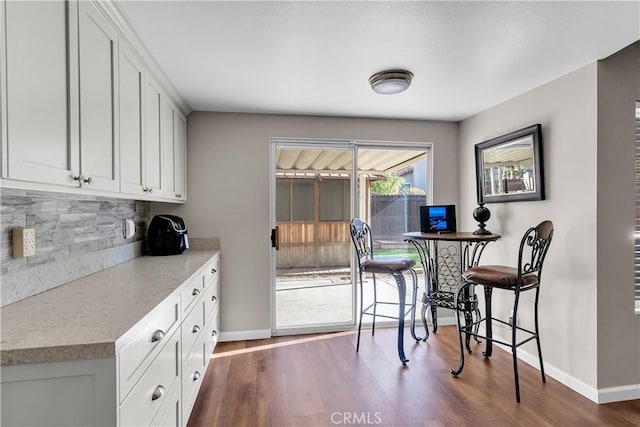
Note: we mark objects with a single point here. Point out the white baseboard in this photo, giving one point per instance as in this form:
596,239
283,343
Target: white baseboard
600,396
256,334
618,394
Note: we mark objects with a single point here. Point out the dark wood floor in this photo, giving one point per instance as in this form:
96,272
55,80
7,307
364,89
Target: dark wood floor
319,380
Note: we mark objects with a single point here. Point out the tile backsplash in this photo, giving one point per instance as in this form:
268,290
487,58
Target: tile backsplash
75,236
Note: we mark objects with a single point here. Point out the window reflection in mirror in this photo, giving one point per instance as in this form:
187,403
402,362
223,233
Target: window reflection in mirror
508,167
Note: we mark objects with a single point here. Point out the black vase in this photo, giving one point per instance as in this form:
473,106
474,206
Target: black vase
482,215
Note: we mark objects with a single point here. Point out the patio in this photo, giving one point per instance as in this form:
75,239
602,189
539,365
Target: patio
306,298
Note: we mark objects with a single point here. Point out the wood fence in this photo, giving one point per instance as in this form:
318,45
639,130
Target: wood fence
328,244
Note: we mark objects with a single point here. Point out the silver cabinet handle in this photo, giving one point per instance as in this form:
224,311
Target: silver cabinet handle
196,376
195,292
157,393
157,335
195,329
76,177
88,180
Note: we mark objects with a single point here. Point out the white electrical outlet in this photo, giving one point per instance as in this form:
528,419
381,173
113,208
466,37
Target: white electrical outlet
24,242
128,228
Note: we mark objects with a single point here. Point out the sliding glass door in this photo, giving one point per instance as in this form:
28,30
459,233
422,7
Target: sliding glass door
315,194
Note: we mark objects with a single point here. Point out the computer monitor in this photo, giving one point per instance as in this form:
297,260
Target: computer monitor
438,219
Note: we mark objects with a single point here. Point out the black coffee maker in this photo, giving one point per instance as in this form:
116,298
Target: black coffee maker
167,235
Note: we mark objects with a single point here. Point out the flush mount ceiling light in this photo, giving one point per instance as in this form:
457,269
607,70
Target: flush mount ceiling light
390,81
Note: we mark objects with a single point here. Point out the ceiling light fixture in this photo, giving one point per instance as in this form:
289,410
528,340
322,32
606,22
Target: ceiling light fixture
390,81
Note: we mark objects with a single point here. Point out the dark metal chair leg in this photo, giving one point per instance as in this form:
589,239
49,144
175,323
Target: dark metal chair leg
414,301
425,307
434,317
544,380
455,372
375,304
515,369
361,313
402,292
488,290
514,348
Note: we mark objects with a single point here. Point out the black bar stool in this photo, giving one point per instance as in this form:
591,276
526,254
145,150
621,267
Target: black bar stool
525,277
395,266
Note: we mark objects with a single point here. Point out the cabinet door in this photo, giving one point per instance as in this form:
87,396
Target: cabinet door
131,130
180,155
153,143
168,156
39,142
99,150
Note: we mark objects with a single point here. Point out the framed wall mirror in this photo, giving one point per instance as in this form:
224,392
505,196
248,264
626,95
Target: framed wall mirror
509,167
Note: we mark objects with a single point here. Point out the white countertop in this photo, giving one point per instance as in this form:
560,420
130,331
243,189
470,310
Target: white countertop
83,319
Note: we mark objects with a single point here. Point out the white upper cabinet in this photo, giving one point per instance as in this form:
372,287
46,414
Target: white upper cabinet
152,165
140,128
98,59
37,124
131,130
80,107
180,150
175,155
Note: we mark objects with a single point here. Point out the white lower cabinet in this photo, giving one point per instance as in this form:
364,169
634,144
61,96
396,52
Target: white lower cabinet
153,380
148,397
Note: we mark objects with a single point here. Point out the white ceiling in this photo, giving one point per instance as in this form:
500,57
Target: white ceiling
315,58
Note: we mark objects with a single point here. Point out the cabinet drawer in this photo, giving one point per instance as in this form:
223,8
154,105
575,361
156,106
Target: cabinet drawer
212,331
150,335
211,270
211,296
192,327
191,293
170,412
150,393
192,376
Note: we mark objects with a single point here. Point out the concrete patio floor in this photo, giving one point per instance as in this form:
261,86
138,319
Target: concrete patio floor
322,298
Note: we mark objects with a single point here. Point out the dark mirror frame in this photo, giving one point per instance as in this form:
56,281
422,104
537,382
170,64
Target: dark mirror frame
538,174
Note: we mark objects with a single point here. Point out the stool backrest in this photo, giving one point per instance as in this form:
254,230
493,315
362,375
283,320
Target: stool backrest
362,240
533,249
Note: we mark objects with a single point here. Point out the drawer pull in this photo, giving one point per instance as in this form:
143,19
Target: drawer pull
213,298
214,333
195,329
157,335
213,271
195,292
157,393
196,376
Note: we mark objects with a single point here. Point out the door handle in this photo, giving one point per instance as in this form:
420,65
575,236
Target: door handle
275,241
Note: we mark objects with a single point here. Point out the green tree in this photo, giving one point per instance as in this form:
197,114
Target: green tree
388,186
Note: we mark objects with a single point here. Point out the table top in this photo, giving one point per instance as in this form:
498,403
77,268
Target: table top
460,236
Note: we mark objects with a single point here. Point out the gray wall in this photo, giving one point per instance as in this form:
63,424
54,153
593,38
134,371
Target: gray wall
75,236
228,184
618,328
589,330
